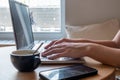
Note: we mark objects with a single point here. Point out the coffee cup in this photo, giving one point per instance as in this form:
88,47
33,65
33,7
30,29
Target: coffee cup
25,60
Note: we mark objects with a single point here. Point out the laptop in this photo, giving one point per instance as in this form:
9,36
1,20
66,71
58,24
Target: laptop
24,39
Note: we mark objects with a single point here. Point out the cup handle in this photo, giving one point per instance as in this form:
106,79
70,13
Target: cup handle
37,61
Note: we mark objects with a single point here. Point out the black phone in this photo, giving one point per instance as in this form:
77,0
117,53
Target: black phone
73,72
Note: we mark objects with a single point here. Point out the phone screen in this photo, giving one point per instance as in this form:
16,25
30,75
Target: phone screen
67,73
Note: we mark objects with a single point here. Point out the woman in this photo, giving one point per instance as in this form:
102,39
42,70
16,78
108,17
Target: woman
105,51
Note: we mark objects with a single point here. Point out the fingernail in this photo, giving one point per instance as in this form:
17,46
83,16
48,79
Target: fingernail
43,54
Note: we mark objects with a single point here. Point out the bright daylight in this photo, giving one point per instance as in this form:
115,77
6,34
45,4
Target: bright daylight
45,15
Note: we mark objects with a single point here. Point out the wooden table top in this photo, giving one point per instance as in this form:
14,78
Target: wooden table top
8,72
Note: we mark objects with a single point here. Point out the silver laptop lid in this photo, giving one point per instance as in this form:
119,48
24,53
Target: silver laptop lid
22,27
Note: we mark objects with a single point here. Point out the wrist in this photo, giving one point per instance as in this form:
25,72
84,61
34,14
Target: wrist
91,49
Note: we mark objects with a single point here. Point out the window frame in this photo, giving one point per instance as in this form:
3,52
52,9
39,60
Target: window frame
42,35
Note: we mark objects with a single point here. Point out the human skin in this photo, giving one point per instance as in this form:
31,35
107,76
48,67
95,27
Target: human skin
105,51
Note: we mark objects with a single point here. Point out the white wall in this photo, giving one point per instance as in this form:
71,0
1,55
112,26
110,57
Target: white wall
91,11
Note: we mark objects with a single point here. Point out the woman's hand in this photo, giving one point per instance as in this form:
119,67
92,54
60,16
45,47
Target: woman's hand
54,42
66,49
69,41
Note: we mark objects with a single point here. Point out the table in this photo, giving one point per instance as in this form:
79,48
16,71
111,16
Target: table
8,72
5,45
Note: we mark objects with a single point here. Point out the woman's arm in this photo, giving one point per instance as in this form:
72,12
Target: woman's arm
107,52
108,43
116,39
102,42
104,54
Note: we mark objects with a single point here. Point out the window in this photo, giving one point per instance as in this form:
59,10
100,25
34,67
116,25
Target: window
47,17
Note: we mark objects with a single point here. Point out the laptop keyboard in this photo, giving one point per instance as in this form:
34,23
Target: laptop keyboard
62,60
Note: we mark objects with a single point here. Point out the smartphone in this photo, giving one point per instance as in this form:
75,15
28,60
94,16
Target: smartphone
73,72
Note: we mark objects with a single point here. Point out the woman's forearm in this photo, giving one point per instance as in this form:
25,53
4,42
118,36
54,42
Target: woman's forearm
102,42
104,54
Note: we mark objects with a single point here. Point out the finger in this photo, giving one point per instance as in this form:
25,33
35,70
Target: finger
56,42
61,40
58,55
53,51
53,47
50,44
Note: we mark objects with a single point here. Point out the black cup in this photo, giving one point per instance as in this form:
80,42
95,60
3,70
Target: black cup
24,60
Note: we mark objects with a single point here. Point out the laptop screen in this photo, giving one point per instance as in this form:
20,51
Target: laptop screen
22,27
